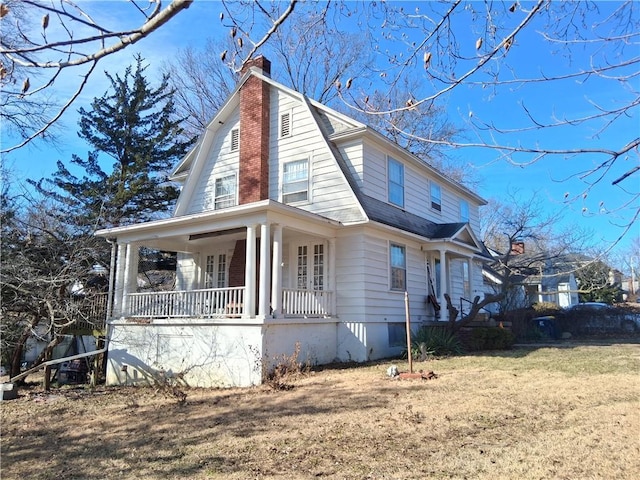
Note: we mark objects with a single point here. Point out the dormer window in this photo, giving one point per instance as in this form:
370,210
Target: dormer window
436,197
395,182
285,125
235,139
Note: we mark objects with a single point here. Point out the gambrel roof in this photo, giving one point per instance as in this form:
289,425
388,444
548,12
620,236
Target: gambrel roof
334,128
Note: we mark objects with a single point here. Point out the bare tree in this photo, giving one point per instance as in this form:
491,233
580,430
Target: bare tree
477,48
201,82
42,260
43,40
525,242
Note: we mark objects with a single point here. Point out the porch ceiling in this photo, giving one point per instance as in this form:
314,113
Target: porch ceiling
185,232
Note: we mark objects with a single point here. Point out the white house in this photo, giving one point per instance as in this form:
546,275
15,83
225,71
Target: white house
295,225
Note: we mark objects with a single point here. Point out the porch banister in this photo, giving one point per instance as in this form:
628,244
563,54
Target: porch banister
250,273
118,288
276,273
444,313
265,278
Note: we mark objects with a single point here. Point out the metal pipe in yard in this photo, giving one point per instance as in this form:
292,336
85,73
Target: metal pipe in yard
408,323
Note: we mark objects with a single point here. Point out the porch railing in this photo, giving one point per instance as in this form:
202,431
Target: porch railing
306,302
207,302
222,303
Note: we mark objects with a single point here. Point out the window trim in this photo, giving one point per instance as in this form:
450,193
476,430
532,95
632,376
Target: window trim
390,182
435,206
233,196
307,188
403,267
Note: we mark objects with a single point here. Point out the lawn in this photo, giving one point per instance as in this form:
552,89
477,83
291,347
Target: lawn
570,412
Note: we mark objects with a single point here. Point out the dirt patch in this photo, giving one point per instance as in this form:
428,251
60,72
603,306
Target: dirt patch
528,413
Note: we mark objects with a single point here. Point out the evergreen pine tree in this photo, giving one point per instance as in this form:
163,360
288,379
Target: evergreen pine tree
133,124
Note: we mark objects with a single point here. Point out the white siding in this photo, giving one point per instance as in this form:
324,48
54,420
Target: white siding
186,271
220,161
417,186
352,153
364,294
330,194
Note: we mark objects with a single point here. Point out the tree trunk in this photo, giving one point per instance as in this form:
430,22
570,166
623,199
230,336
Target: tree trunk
473,313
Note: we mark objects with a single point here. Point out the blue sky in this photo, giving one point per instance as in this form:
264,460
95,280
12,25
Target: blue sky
550,179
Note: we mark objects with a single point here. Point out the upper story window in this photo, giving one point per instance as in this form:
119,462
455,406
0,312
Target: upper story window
295,181
285,124
395,184
225,194
235,139
398,266
436,197
464,211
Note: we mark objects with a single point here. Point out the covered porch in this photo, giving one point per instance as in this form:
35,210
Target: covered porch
262,261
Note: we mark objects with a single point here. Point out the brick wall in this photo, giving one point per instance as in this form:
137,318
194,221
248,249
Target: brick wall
254,136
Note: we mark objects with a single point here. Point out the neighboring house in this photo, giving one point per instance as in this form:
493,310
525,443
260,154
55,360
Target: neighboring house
535,278
295,225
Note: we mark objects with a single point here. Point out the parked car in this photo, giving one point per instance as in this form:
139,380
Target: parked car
597,316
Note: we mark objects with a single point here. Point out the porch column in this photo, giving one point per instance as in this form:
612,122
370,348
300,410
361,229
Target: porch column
276,275
444,313
265,278
130,275
331,276
250,273
118,287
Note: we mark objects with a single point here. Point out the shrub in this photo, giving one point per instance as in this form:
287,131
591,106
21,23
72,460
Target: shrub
491,338
287,368
434,341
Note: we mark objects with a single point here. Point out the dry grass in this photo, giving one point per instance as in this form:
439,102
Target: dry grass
535,413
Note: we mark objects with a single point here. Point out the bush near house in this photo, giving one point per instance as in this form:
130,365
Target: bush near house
490,338
434,342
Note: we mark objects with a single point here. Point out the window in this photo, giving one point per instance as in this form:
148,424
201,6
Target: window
215,274
397,334
395,177
310,276
285,125
225,194
318,267
436,197
235,139
302,268
464,211
398,262
295,181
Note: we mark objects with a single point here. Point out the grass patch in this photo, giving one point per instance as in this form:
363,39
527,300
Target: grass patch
524,413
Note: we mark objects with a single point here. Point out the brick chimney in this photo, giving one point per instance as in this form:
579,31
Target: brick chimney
254,134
